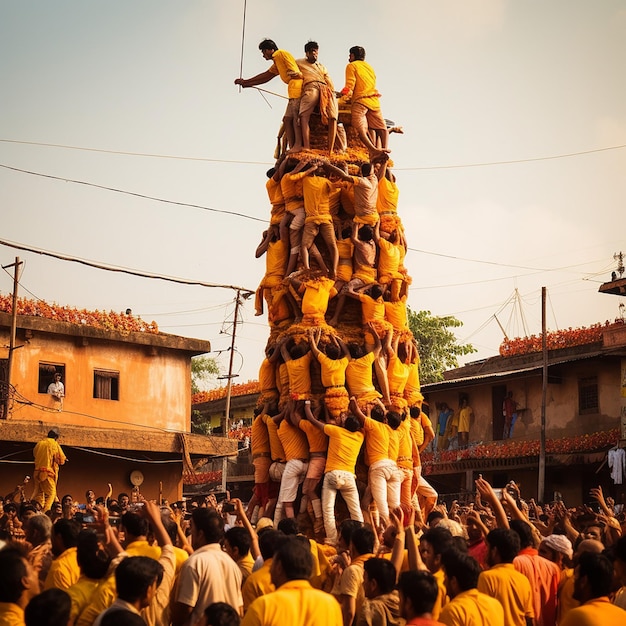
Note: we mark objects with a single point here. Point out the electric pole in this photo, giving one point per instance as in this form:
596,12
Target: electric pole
229,384
16,266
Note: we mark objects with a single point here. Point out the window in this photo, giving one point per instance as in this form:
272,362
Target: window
588,395
106,385
46,376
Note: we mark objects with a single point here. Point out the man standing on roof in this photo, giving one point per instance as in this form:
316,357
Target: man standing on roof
48,456
285,66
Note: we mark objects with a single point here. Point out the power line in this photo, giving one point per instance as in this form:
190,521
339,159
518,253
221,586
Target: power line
511,162
139,154
132,193
122,270
566,155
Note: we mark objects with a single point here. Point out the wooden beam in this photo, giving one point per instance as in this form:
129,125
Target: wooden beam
118,439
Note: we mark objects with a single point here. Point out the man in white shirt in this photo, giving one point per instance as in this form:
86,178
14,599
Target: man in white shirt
209,575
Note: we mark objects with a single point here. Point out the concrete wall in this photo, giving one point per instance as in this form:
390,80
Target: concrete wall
562,412
87,470
154,383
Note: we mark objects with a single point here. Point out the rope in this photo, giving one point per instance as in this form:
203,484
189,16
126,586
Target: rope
243,36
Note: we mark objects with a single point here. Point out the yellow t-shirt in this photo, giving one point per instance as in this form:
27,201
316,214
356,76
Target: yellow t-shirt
258,584
318,441
387,196
300,375
64,571
376,440
291,186
333,370
396,315
260,437
13,615
388,261
80,593
343,448
267,376
405,447
294,602
442,596
359,375
512,589
315,300
286,67
316,191
397,374
595,612
294,441
275,263
361,84
276,447
372,310
472,607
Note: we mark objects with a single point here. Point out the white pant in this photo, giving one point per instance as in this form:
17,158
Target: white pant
385,480
295,471
334,481
424,488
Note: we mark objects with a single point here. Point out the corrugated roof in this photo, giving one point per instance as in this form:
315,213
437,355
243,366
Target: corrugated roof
511,373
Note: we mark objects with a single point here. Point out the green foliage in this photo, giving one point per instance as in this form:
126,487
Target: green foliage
199,425
437,345
203,368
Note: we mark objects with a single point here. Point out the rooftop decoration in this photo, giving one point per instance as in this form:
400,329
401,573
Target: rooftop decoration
557,339
121,322
241,389
510,448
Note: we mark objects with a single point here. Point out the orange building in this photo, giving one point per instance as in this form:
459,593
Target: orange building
126,404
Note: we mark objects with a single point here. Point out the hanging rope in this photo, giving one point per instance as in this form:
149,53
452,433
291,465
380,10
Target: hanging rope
243,37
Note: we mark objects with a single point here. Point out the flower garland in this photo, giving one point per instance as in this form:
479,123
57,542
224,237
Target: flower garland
120,322
557,339
240,389
191,478
510,449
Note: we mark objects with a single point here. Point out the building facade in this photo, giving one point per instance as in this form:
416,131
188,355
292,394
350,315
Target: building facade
126,405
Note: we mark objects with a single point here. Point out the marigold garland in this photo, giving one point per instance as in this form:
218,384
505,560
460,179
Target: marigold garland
557,339
120,322
590,442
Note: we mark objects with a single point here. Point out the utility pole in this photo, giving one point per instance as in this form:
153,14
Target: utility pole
229,384
16,267
544,395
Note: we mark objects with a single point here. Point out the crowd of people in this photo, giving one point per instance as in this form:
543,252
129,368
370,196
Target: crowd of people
497,560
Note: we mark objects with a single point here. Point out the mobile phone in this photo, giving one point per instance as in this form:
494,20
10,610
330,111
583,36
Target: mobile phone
228,507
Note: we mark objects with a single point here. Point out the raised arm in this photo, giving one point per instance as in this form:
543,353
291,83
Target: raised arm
309,415
259,79
354,408
489,495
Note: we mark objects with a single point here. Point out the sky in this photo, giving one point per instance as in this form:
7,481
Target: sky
510,169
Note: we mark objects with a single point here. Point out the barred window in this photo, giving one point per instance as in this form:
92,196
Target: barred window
106,385
588,395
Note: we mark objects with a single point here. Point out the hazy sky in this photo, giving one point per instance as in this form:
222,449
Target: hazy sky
515,84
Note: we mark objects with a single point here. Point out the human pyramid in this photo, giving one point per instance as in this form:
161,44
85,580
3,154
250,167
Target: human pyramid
341,367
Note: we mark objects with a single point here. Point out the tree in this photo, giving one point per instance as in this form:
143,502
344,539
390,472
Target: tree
437,345
203,368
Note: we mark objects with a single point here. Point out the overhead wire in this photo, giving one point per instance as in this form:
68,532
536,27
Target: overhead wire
566,155
122,270
250,217
135,194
